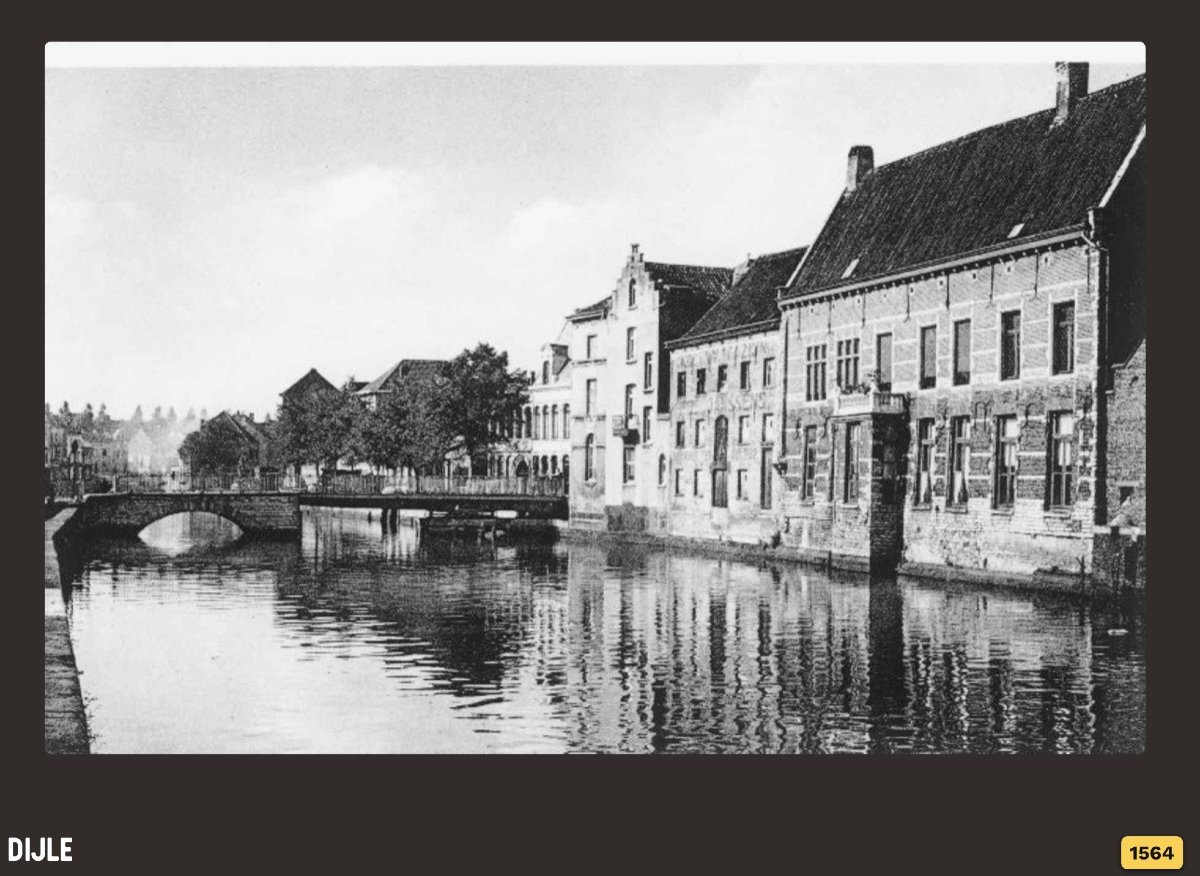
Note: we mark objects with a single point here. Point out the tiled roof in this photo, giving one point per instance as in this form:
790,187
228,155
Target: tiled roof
592,310
973,192
752,300
709,281
313,376
418,368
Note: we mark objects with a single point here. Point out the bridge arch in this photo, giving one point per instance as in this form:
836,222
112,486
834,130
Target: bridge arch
130,513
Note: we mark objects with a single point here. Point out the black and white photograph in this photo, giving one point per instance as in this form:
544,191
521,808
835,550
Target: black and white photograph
598,398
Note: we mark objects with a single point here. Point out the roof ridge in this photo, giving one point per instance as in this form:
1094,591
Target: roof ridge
980,131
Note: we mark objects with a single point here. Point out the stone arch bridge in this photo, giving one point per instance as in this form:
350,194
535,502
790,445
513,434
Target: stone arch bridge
130,513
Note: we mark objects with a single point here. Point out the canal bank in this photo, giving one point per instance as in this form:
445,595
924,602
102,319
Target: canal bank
66,730
1051,581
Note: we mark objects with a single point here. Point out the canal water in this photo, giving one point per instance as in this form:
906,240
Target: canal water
355,639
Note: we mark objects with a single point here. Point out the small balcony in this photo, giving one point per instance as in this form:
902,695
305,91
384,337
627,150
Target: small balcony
858,401
626,428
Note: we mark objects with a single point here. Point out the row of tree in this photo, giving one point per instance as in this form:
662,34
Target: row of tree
425,418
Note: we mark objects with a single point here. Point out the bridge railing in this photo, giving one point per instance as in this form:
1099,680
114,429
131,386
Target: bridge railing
380,485
189,483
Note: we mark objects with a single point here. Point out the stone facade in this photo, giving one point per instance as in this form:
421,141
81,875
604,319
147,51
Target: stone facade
719,466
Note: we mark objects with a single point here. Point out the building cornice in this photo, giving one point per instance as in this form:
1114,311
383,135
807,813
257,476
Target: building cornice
980,256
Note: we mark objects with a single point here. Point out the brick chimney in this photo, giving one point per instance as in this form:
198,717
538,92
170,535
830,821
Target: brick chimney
1072,85
861,162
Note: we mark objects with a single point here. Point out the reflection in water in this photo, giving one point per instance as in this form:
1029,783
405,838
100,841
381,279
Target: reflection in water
357,639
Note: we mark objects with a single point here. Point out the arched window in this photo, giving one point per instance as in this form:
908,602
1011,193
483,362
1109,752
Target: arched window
662,469
589,458
554,421
553,465
537,423
546,422
528,423
566,421
632,292
545,372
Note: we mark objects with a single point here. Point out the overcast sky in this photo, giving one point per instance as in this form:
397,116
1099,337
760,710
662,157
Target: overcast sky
211,234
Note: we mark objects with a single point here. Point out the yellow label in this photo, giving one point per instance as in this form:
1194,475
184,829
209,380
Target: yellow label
1151,852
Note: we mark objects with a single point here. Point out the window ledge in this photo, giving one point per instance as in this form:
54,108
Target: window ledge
1059,511
928,507
956,509
1002,512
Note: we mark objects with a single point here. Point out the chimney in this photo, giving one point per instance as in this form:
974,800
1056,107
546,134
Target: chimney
1072,85
637,256
862,162
740,270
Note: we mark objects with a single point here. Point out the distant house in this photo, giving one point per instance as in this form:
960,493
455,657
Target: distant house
311,384
249,437
391,380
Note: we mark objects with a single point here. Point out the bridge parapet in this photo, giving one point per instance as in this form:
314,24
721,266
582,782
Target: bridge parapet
130,513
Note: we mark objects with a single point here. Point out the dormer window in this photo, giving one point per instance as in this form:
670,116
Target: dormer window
632,292
1016,229
849,269
545,372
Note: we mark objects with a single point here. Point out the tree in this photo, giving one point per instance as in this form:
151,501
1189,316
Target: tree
217,448
481,390
317,428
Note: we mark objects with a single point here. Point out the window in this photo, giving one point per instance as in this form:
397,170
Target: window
648,371
962,352
630,335
808,477
632,292
768,428
629,388
554,421
589,458
960,460
720,439
768,372
680,429
1061,483
662,469
678,482
546,422
744,376
850,490
722,377
1064,338
590,398
528,423
923,488
847,363
741,483
590,347
646,424
720,488
743,429
764,474
537,423
566,421
814,373
699,433
545,372
696,482
883,360
928,356
1010,345
681,384
1007,435
701,380
627,469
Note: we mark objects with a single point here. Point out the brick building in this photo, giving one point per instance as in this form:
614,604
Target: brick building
965,380
726,373
621,399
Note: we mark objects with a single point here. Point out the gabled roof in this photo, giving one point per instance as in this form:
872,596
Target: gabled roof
312,381
751,301
410,368
592,311
708,281
1018,180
